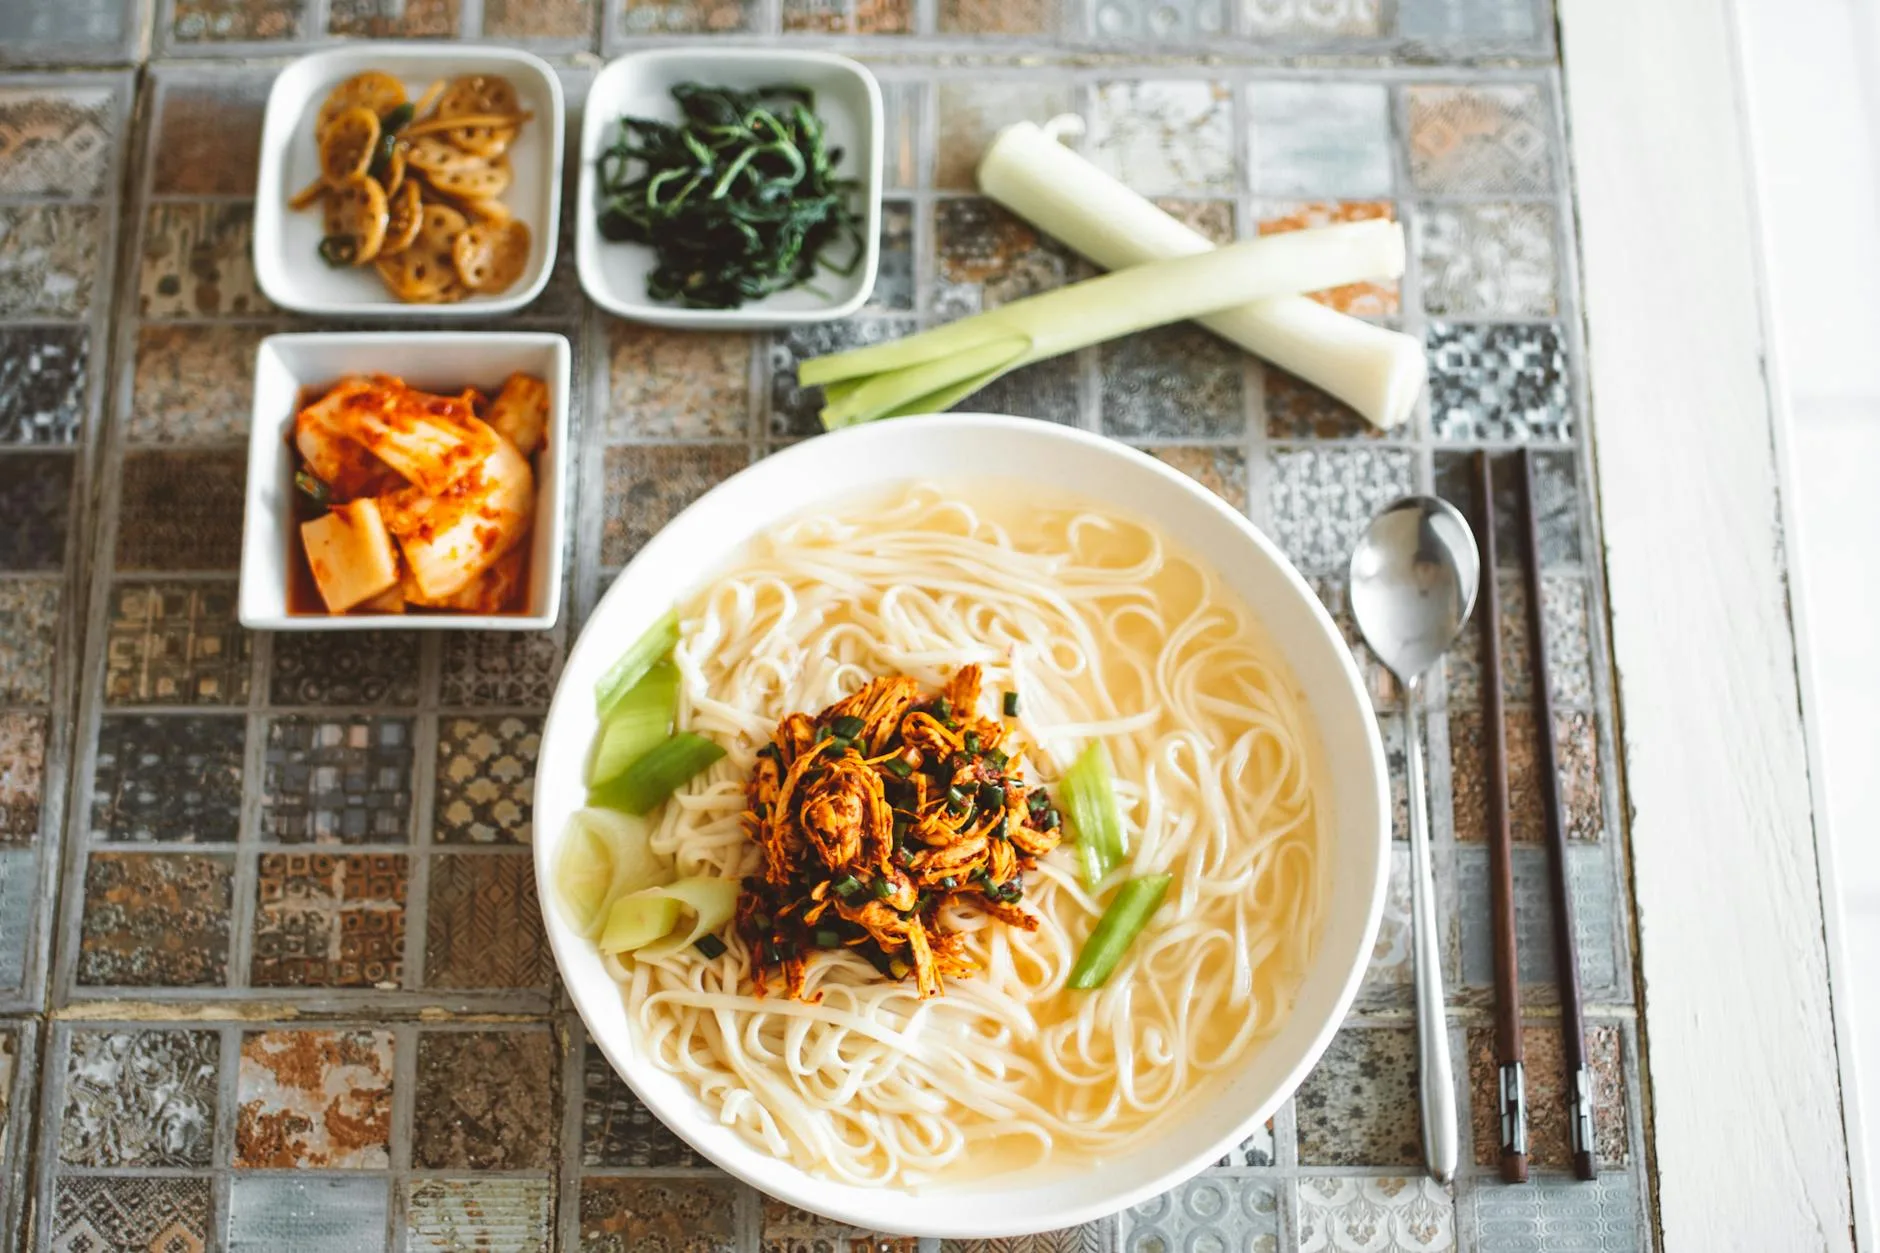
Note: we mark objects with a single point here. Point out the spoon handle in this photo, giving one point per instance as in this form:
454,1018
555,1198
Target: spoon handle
1435,1073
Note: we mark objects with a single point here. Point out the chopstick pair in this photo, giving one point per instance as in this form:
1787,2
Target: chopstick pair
1508,1042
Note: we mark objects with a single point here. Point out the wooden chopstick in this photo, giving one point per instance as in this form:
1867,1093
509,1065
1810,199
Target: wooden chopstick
1508,1046
1579,1074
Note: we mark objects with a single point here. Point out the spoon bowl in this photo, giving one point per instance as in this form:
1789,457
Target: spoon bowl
1414,577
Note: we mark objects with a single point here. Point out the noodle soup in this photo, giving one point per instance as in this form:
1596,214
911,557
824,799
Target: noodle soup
1104,632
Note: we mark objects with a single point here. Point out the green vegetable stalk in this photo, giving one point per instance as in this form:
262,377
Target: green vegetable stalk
1136,901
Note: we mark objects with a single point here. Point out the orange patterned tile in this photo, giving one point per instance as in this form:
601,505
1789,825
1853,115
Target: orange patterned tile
1368,300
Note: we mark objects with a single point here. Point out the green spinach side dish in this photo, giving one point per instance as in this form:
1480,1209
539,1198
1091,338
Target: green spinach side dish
738,201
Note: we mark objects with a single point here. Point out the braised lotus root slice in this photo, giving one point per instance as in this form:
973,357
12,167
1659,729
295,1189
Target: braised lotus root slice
491,256
420,274
405,216
479,182
373,90
356,221
439,226
478,93
434,154
487,209
347,146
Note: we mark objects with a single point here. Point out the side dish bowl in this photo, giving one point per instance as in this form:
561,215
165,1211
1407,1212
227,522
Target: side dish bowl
286,243
848,99
824,471
289,367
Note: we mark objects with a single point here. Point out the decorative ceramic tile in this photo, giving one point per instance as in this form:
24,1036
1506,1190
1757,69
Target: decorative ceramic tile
1322,498
1500,22
1487,260
1295,409
1335,596
137,1215
628,1215
1134,23
495,1215
344,779
393,19
181,510
1212,218
44,383
677,384
1545,1214
35,508
1581,802
486,1100
1595,923
791,1230
87,31
793,408
687,17
485,926
290,1214
647,487
1205,1213
175,644
315,1100
1313,19
156,920
986,17
903,104
1393,961
193,384
1498,382
1556,503
49,257
986,257
1164,136
22,775
1092,1238
1222,471
972,112
139,1098
1359,1106
29,623
1366,300
1173,382
236,21
1318,139
894,273
1375,1216
834,17
209,134
345,668
617,1130
1569,645
55,141
1254,1153
1050,390
198,262
1546,1085
486,779
500,667
1480,139
327,920
506,20
19,880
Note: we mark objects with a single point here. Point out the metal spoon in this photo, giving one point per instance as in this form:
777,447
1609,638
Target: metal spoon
1413,582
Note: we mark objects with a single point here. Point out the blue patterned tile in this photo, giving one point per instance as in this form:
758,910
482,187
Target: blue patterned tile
1595,922
1500,22
1208,1213
287,1214
19,875
45,384
1550,1215
1319,139
1498,382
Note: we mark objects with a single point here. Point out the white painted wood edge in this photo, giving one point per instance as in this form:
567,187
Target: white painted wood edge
1743,1073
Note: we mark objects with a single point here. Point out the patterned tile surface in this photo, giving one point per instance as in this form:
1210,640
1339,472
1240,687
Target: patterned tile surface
305,858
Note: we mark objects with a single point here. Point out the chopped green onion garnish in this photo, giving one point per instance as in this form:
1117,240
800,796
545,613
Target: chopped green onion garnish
991,796
971,741
848,885
1089,799
398,118
710,946
1011,704
956,799
827,939
942,708
994,758
1121,923
654,644
949,882
848,726
883,889
657,773
898,767
312,488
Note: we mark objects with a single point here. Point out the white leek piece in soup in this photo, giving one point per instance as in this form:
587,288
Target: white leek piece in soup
1004,840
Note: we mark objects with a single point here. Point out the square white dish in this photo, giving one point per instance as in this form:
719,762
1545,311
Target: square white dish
441,361
287,260
848,100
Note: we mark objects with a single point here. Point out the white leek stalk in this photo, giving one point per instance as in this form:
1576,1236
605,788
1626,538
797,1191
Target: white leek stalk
936,369
1376,371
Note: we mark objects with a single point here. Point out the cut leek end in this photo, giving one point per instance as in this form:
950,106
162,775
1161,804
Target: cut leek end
639,720
652,646
651,923
604,855
657,774
1088,798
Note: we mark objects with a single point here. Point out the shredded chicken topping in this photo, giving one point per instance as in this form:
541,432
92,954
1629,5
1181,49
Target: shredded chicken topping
873,816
